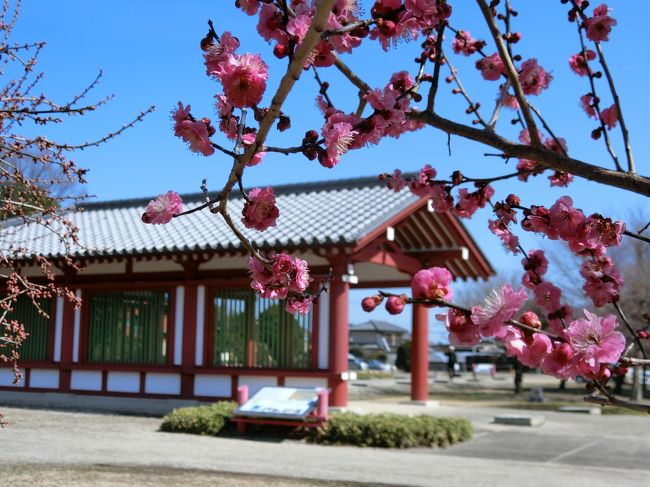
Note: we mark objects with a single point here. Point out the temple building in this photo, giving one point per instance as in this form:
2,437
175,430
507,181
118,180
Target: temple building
168,312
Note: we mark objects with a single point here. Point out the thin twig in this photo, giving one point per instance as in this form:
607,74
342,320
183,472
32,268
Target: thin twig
511,72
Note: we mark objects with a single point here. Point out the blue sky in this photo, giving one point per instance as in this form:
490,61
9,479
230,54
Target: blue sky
149,51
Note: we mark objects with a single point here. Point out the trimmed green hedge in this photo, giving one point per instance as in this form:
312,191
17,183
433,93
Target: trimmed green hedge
199,420
376,430
393,431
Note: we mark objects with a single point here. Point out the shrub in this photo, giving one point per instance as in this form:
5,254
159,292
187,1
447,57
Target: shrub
403,359
393,431
199,420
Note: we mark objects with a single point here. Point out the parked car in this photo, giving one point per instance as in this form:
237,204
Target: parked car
378,365
355,363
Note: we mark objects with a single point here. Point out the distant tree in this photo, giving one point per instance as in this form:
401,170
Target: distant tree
37,178
403,359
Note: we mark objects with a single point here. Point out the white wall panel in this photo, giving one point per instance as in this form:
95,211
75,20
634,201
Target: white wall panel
256,382
44,378
212,385
323,331
156,383
7,378
86,380
123,382
200,324
305,382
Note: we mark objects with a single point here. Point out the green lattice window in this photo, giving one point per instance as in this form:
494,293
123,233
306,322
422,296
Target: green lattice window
250,331
37,345
129,327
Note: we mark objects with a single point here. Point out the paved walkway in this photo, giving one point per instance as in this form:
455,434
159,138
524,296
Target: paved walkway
589,450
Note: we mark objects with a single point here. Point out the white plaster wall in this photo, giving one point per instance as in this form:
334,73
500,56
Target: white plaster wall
156,383
7,378
76,330
123,382
58,329
44,378
226,262
323,330
305,382
178,325
200,324
212,385
86,380
256,382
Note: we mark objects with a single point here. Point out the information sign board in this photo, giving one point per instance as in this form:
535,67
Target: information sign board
280,402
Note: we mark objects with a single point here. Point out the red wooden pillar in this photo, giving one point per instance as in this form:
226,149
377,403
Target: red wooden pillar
420,354
338,336
189,341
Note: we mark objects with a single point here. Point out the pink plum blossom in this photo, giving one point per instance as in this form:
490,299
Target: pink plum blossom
299,304
260,211
579,64
559,362
244,80
463,43
432,283
162,209
609,116
338,139
530,349
500,306
600,25
249,6
510,240
565,218
537,219
462,331
220,53
195,133
468,203
594,341
587,104
547,296
533,78
286,274
491,67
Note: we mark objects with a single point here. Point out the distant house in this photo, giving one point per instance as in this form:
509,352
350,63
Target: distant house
377,336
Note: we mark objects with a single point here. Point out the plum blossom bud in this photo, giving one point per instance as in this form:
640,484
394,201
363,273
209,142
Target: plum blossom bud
369,303
643,335
395,304
531,319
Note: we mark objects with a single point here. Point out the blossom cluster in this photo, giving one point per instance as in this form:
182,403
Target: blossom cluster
585,347
586,236
284,277
342,132
425,185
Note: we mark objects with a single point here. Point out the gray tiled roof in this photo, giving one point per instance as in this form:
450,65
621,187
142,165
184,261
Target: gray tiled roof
310,214
380,326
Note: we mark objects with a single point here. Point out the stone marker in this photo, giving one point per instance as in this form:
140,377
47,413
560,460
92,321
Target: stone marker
519,420
579,410
536,395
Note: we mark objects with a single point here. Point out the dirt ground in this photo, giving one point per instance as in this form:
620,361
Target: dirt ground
112,476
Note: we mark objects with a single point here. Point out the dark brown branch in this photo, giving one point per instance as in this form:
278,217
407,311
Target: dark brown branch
547,158
431,101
